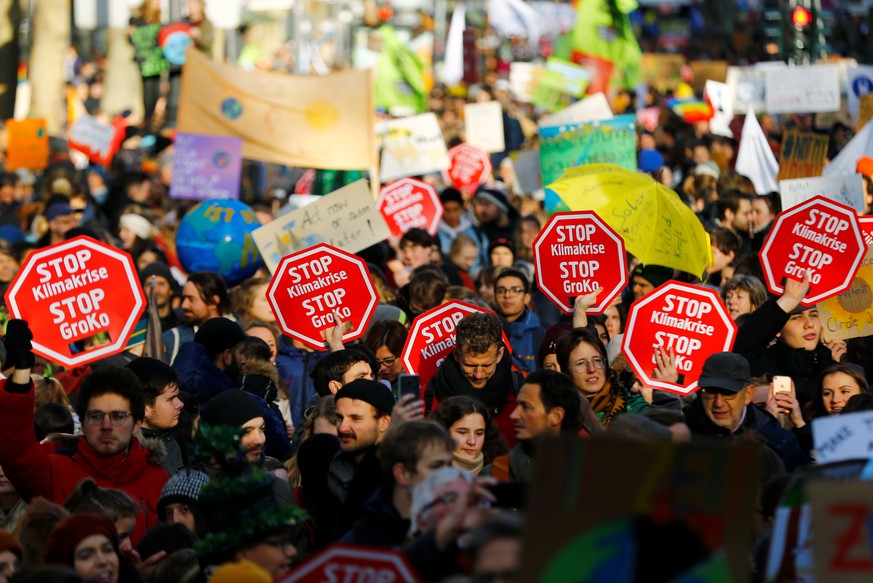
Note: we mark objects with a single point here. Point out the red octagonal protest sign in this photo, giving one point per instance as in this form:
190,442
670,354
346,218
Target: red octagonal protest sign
820,236
409,203
354,564
574,254
309,285
81,298
468,167
432,337
690,320
866,224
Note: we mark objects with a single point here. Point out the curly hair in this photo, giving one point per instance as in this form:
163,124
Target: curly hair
451,410
477,333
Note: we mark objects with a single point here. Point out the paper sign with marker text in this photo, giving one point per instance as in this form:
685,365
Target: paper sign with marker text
346,218
483,126
843,437
206,167
847,190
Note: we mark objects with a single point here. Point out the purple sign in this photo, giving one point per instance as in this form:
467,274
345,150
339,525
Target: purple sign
206,167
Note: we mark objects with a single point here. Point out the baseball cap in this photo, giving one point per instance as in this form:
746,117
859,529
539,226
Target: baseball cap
725,370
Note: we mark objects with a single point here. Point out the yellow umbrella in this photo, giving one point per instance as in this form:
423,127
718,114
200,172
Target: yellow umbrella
657,226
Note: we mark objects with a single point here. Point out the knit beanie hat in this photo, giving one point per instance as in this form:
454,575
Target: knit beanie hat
865,166
182,488
654,274
550,340
137,224
495,196
372,392
158,269
231,407
650,160
66,536
451,194
9,543
242,572
218,335
502,242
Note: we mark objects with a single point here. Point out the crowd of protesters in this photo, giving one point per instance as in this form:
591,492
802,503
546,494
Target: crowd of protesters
240,452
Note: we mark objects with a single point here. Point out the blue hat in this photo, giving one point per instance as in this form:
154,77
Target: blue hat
11,234
58,209
650,160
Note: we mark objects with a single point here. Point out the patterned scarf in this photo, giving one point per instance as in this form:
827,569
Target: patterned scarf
607,403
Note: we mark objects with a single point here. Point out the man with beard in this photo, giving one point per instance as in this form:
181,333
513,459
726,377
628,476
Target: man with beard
210,364
480,367
363,410
204,297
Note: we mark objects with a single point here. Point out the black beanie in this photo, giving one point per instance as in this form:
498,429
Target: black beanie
218,335
231,407
158,269
372,392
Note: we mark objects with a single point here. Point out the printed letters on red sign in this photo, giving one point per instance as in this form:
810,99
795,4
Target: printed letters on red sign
312,285
408,204
688,320
576,253
78,290
819,237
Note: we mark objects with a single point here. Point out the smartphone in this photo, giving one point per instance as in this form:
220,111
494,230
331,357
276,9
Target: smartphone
509,495
781,384
409,384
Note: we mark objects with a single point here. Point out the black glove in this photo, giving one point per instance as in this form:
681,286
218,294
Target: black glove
18,345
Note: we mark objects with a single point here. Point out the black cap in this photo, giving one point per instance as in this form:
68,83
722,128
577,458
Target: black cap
372,392
231,407
725,370
218,335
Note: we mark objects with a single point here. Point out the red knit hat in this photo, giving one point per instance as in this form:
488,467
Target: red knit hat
66,536
9,543
865,166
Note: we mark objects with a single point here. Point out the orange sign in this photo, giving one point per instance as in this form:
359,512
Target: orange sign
27,145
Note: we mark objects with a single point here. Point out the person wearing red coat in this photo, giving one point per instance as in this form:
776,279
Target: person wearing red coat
111,409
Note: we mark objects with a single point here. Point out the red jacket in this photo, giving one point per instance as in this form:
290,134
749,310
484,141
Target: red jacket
52,471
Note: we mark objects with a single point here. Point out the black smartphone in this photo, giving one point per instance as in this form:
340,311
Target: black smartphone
509,495
409,384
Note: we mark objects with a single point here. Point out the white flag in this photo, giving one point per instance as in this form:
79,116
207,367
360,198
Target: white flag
453,67
755,159
847,160
514,17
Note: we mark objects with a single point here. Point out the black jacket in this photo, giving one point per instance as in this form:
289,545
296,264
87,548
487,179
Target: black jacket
783,442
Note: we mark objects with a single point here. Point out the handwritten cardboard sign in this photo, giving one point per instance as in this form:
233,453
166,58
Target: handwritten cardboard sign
803,155
592,108
661,70
412,146
809,89
865,110
850,314
708,71
206,167
843,437
580,521
842,530
848,190
346,218
483,126
28,144
610,141
748,89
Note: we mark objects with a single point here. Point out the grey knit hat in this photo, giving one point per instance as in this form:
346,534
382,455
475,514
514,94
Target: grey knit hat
182,488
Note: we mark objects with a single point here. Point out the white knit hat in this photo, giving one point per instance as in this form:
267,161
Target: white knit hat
137,224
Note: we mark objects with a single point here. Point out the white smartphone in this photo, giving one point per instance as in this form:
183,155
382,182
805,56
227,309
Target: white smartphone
781,384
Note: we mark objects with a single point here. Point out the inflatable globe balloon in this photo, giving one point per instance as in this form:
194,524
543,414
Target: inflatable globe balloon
216,235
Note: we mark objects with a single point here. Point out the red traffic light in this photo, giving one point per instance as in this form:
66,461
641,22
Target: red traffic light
801,17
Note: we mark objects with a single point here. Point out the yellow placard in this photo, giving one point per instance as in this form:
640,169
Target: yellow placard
850,314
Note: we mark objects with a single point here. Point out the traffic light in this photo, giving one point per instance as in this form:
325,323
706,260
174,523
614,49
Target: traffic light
774,33
801,31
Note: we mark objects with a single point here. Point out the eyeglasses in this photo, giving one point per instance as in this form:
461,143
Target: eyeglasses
712,393
447,498
509,291
387,361
117,418
582,365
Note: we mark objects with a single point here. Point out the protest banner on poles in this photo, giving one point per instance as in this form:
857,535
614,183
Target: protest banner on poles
410,203
847,190
819,236
574,254
842,530
206,167
581,520
803,155
689,320
309,286
469,167
610,141
27,144
79,291
411,146
346,218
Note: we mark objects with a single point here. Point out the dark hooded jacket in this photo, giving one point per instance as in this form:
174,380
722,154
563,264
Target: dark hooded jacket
295,368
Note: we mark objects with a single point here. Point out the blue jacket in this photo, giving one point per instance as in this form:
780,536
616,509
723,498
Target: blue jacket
525,336
199,376
295,367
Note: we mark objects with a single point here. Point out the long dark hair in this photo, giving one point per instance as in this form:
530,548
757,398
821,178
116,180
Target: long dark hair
448,412
568,342
848,368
